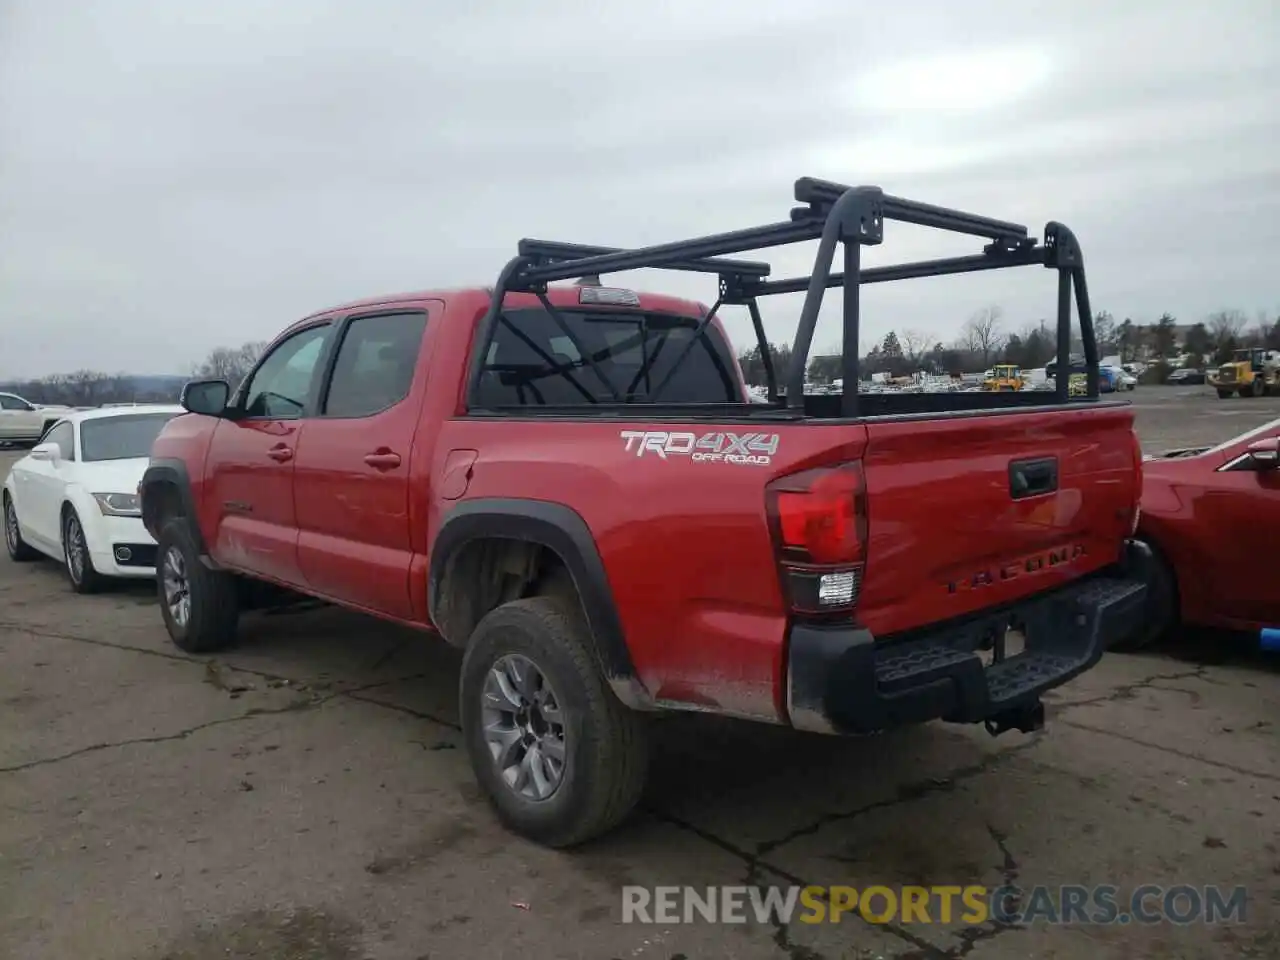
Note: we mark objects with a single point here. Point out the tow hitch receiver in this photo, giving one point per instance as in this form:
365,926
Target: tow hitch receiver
1026,719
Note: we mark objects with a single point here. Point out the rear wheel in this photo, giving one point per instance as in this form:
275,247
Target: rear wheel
200,606
1257,388
77,560
19,550
1223,394
560,758
1162,616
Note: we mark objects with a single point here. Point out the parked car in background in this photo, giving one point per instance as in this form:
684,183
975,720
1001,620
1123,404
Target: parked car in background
1184,376
1123,379
1210,515
1110,378
22,421
74,497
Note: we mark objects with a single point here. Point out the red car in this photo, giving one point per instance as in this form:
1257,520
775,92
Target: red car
1205,513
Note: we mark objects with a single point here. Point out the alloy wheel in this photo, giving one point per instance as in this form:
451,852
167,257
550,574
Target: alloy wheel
177,589
75,549
10,526
524,727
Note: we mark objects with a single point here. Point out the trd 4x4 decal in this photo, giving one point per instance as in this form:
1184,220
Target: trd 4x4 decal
717,447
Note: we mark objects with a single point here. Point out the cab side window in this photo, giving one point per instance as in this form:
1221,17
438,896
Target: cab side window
10,402
375,364
281,387
62,434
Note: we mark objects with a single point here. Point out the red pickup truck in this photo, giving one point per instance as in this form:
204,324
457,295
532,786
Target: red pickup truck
571,483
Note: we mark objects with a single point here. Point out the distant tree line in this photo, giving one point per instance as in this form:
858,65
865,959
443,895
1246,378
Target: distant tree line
93,388
984,340
83,388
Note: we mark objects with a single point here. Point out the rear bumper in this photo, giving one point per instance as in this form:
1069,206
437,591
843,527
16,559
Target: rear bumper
839,680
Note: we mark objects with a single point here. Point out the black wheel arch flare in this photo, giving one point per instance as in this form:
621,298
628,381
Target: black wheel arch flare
563,531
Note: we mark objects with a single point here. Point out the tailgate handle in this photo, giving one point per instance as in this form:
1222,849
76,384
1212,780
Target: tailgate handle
1031,478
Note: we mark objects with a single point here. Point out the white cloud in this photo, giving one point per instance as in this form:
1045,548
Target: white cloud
981,80
185,175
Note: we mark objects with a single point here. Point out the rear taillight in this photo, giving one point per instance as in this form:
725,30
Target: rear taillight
819,523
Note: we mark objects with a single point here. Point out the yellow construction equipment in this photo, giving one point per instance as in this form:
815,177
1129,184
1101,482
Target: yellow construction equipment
1251,372
1004,376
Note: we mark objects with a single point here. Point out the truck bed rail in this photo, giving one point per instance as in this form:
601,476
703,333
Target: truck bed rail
836,215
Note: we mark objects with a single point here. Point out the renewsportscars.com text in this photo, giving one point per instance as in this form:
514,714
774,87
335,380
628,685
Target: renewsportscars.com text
1180,904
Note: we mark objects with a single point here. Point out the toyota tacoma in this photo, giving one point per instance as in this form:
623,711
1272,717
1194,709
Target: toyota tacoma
570,482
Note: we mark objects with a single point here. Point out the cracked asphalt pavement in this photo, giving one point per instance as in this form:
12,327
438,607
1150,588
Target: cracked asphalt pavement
305,797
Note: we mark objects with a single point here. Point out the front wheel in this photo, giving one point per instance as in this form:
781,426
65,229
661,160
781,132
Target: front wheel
19,550
200,606
561,759
77,560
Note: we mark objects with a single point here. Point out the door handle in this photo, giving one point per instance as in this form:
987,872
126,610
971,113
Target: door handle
280,453
382,459
1032,478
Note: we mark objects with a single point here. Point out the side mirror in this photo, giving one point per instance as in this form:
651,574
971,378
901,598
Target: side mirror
1265,454
46,451
208,397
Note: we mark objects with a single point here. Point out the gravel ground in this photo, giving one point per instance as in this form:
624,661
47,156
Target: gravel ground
306,798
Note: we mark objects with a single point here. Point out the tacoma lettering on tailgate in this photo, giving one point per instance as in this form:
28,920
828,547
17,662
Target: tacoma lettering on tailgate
718,447
1017,568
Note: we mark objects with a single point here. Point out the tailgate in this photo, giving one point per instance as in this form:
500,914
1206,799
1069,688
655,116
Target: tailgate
971,512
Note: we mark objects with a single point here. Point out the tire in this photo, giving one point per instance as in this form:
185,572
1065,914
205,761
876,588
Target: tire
19,550
604,743
1162,606
1224,394
77,562
209,618
1258,388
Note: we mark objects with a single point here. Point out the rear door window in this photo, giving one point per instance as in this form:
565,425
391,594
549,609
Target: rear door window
605,358
375,364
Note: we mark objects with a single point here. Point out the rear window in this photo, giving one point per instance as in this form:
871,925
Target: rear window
121,438
533,361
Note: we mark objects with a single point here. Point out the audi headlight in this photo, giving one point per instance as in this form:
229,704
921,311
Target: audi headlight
118,504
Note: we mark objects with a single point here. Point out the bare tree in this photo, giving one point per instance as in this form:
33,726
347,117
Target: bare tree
982,334
916,344
1261,332
1105,332
1227,325
231,364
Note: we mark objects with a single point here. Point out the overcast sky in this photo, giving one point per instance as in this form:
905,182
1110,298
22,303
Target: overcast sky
176,176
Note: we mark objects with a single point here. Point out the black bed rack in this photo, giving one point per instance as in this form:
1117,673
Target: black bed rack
835,215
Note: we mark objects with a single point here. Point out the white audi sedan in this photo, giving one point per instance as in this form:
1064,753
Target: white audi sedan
74,496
